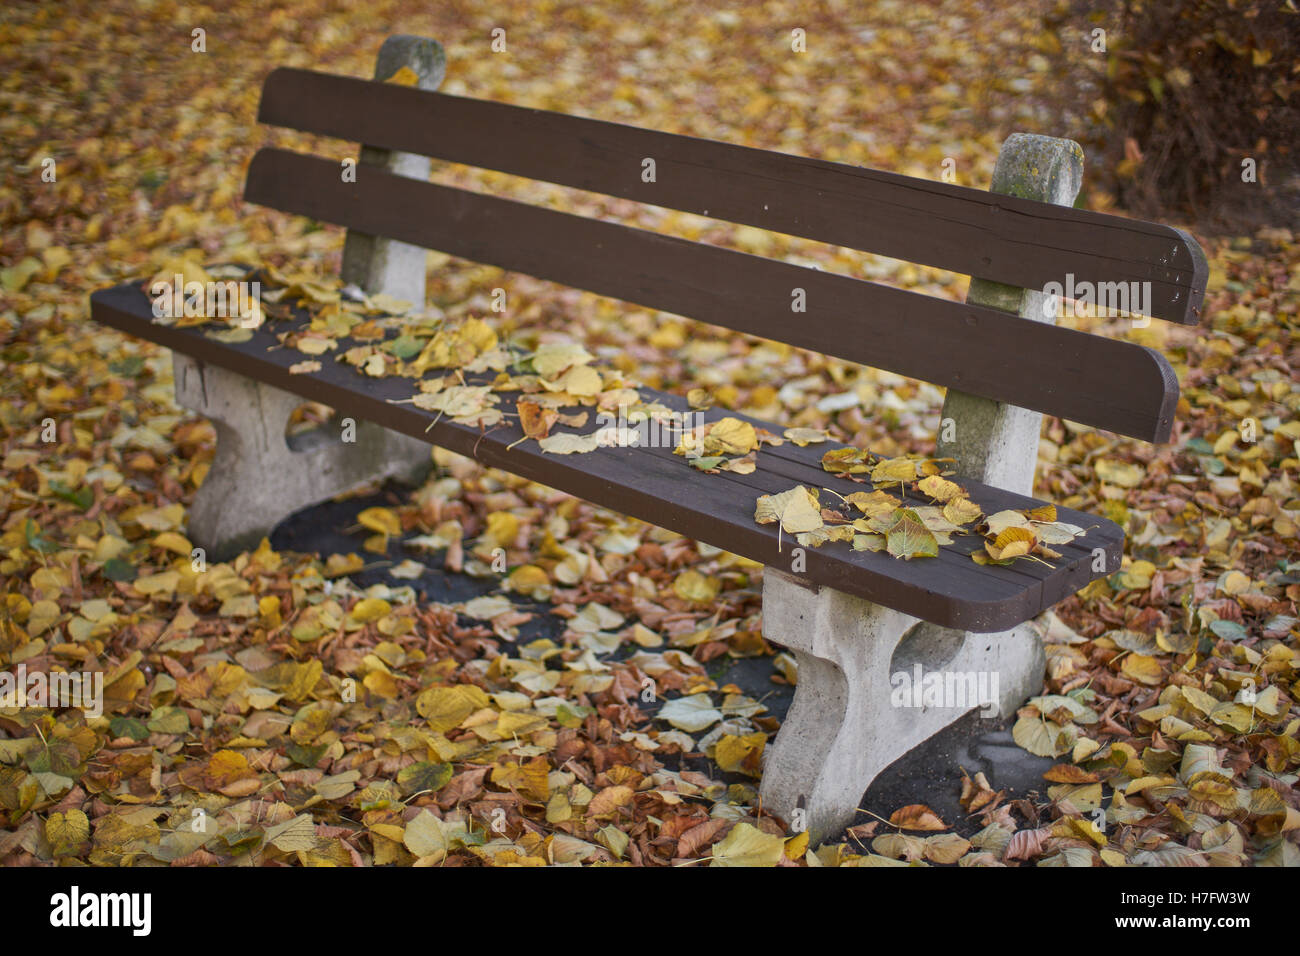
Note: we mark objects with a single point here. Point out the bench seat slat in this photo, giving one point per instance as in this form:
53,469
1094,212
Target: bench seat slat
1086,378
655,486
1011,240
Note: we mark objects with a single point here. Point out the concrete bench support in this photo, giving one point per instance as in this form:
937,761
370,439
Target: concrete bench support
844,727
256,479
847,723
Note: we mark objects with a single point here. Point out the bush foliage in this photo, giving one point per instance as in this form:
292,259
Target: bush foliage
1189,92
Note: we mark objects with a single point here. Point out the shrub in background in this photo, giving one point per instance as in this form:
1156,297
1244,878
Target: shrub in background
1188,99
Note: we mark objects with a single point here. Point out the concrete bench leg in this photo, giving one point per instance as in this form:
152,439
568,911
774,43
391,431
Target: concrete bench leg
256,479
844,727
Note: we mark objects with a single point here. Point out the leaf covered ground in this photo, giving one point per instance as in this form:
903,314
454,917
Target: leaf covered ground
270,710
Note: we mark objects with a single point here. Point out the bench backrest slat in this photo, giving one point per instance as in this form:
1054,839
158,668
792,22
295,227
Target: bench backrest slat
1097,381
1006,239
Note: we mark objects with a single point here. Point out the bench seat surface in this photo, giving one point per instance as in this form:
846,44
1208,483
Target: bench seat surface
656,486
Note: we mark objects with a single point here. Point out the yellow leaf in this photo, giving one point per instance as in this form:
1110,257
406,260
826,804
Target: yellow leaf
740,754
558,810
1234,583
567,444
502,529
894,470
445,707
535,421
163,583
315,344
846,461
383,520
297,834
797,509
528,777
725,437
239,605
908,537
1120,473
67,831
337,565
528,579
268,609
693,586
171,541
961,510
226,768
1011,543
746,845
550,360
1137,576
1041,737
404,77
1079,829
382,684
581,381
803,437
426,836
873,503
940,489
796,846
478,335
699,399
1045,513
186,268
1143,669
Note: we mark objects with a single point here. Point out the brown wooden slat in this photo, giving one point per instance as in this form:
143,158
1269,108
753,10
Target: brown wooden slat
655,486
1011,240
1086,378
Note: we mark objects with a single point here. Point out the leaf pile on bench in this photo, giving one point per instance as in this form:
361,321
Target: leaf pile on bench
481,369
887,524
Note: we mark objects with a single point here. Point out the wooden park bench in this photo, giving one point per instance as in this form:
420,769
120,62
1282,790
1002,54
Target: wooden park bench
852,618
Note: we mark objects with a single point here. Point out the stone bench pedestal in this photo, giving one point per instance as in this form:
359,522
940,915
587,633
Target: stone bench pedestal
256,479
842,729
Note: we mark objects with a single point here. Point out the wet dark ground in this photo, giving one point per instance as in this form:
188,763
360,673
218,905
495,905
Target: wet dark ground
929,774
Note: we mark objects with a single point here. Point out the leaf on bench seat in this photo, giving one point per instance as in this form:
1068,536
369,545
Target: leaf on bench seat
567,444
940,489
549,361
803,437
1011,543
847,461
819,536
961,511
467,404
873,503
723,438
534,420
909,538
798,510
